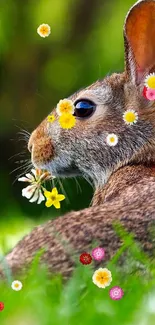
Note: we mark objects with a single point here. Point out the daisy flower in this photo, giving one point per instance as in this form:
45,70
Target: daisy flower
33,192
67,121
150,94
53,198
44,30
112,139
98,253
102,277
130,117
85,258
65,106
16,285
51,118
150,81
116,293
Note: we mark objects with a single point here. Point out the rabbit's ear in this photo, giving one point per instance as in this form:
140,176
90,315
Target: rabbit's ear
139,37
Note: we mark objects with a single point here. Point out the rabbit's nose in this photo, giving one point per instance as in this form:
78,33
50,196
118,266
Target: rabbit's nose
41,147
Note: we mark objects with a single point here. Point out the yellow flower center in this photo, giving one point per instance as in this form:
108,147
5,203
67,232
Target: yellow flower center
51,118
112,139
103,278
67,120
16,285
53,197
44,30
64,108
151,82
130,117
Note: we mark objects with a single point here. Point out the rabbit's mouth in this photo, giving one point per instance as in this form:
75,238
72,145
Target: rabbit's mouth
58,168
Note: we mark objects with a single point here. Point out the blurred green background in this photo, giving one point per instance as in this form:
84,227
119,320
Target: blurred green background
85,44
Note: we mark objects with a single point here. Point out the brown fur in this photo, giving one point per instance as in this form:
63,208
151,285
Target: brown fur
124,175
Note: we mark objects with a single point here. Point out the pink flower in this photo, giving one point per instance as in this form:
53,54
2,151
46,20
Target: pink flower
98,253
116,293
150,94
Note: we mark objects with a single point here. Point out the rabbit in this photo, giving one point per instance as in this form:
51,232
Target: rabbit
123,175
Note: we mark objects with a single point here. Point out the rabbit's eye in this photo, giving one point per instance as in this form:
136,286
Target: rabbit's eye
84,108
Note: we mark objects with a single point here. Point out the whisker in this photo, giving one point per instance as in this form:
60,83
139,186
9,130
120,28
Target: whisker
23,123
23,133
78,187
63,190
27,169
52,182
23,138
16,155
89,181
21,129
19,167
21,161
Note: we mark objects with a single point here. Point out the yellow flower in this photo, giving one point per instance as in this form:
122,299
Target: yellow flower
53,198
67,121
44,30
150,81
130,117
51,118
65,106
102,277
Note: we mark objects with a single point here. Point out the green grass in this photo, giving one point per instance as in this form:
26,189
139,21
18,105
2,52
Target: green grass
48,300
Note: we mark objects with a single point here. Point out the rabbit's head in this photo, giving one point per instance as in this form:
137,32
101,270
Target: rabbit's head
99,108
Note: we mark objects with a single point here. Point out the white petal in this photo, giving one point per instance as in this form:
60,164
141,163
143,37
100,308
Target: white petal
28,191
41,197
31,177
24,179
44,176
35,196
34,172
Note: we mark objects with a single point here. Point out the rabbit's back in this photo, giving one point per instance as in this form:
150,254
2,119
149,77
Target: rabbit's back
64,239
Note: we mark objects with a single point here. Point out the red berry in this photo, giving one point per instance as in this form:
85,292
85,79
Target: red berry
85,258
144,91
1,306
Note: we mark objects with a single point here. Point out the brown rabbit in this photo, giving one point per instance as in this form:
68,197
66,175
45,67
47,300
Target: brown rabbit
124,174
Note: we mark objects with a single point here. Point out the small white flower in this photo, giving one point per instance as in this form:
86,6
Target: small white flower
44,30
16,285
102,277
112,139
33,192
